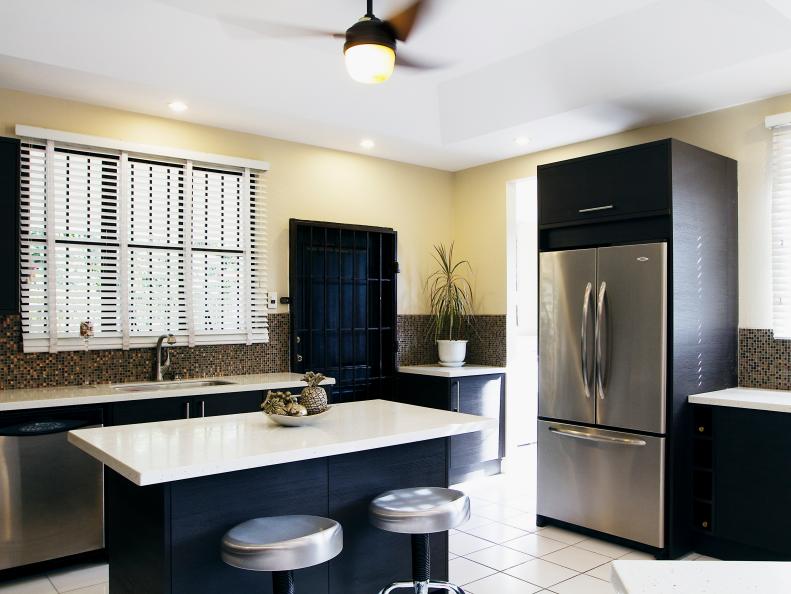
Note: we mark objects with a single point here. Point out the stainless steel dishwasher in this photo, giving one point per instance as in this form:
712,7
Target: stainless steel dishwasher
51,493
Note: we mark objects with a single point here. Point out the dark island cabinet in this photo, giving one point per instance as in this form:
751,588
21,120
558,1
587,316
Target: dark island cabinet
186,407
742,484
472,454
616,184
9,225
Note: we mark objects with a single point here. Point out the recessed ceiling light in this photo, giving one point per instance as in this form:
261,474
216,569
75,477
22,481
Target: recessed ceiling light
521,140
178,106
367,143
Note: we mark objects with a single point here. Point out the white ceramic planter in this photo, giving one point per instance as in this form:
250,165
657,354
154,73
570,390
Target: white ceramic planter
452,352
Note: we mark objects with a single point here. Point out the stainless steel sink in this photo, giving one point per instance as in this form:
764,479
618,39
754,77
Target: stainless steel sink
169,385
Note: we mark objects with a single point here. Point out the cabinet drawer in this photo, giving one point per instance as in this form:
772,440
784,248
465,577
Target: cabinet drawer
150,410
624,182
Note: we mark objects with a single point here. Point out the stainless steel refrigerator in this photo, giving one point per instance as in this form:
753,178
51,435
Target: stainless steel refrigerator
602,380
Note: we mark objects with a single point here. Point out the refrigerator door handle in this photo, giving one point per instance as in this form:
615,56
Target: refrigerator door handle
601,363
597,438
584,340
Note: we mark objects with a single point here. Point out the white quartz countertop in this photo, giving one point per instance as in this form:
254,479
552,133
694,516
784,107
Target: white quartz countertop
439,371
101,393
701,577
772,400
152,453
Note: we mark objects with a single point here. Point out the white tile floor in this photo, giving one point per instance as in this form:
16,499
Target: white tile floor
499,550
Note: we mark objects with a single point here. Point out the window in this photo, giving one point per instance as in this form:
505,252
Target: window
781,225
139,245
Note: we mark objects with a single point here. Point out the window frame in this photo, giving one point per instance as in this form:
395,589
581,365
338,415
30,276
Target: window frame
251,279
780,167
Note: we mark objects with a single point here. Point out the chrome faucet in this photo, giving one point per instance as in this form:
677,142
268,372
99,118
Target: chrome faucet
161,367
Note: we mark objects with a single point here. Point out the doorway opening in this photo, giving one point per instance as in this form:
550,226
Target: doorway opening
522,311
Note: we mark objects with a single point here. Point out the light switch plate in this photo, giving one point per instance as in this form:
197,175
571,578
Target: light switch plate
272,299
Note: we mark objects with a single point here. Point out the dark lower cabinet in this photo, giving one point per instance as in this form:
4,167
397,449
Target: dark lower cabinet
149,411
166,537
185,407
746,516
472,454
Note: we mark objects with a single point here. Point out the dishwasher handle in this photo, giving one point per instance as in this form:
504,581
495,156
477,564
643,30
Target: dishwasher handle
35,428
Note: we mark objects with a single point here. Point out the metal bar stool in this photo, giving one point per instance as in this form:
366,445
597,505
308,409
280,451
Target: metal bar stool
419,512
280,545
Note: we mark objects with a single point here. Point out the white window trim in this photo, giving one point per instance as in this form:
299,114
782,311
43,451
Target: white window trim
780,124
149,150
123,339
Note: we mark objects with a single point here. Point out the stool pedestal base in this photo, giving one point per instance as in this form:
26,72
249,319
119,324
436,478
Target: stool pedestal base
422,587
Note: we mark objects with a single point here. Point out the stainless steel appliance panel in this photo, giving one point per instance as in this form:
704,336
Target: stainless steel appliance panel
51,492
565,335
631,337
608,481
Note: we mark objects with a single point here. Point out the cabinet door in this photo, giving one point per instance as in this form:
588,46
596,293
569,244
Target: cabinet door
624,182
9,223
752,486
229,404
478,395
150,411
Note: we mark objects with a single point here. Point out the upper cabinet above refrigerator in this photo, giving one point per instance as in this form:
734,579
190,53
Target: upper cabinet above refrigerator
617,184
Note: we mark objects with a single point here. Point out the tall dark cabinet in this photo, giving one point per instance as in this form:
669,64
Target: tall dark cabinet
672,192
343,306
9,225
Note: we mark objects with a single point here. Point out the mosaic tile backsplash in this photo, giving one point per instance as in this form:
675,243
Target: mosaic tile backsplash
32,370
487,344
764,362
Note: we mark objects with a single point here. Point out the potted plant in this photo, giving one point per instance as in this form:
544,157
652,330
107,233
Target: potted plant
450,297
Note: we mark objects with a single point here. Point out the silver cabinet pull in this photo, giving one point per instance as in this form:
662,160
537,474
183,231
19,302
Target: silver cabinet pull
595,208
630,441
203,408
584,340
601,320
187,410
457,407
299,358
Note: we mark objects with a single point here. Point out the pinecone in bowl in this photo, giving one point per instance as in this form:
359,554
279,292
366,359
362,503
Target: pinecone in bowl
314,397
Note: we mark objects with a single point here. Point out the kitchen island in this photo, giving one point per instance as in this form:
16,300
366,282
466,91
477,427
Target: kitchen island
175,487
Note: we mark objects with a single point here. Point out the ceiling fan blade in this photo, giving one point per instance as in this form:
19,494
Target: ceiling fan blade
404,21
414,63
260,28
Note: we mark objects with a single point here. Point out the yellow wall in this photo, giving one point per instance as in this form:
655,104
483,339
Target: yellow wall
479,207
427,206
305,181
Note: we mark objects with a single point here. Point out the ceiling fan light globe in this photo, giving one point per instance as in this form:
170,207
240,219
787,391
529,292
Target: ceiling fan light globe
369,63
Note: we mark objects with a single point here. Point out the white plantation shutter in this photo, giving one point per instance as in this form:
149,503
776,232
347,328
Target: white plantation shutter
140,246
157,302
781,231
258,323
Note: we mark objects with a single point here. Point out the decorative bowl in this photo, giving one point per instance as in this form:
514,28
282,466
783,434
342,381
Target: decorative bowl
289,421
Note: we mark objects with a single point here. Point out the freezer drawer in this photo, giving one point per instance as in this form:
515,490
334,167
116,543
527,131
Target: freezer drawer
608,481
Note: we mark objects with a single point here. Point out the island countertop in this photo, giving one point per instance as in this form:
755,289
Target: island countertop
701,577
153,453
28,398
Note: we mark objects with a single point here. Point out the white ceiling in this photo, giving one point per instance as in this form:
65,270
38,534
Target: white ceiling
556,71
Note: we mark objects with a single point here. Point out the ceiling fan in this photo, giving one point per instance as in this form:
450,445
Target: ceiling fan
370,47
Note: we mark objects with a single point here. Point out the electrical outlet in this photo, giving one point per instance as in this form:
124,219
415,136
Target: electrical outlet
272,300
